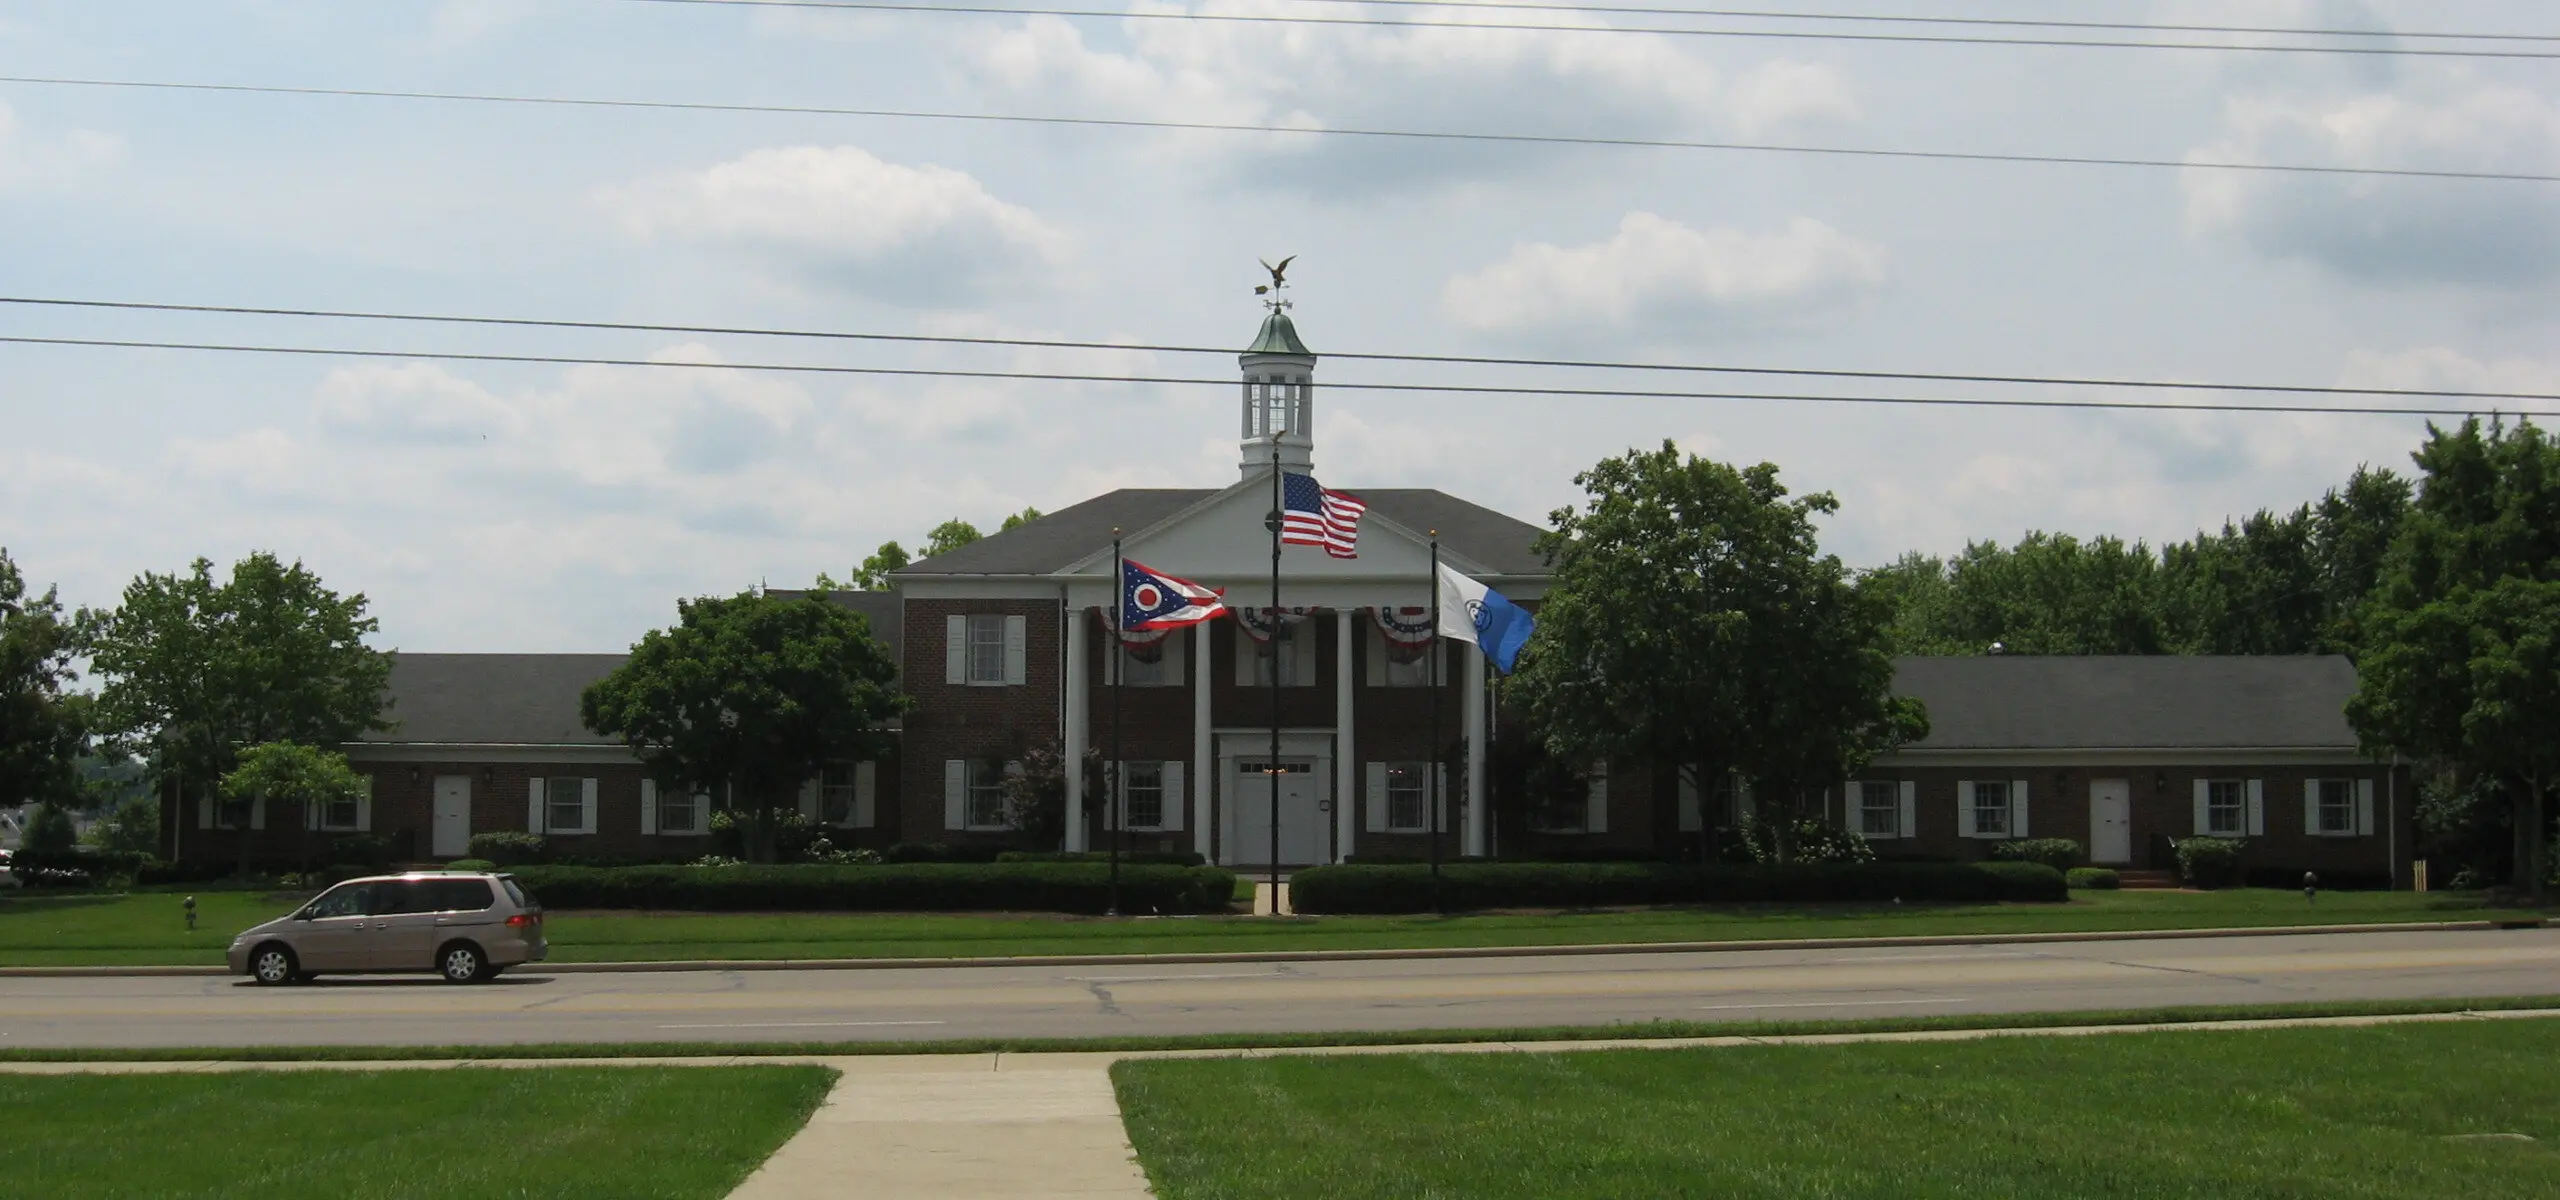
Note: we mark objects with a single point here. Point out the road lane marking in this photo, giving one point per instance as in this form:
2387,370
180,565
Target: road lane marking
801,1024
1177,978
1835,1004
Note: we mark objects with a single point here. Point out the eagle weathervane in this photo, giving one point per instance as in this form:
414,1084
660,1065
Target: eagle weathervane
1279,280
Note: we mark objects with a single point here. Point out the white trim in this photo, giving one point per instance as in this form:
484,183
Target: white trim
648,808
1909,822
2257,804
2018,794
955,649
1204,755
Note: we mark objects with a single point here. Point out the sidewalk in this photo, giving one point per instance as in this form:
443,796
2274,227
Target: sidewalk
1001,1126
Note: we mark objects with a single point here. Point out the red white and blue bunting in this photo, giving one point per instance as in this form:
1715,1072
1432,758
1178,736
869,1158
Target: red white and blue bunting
1408,632
1258,624
1144,645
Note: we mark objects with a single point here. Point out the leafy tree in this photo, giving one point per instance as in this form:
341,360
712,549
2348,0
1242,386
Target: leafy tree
42,727
1035,798
750,695
197,670
2459,669
131,827
873,574
1020,519
1693,620
49,831
949,536
292,778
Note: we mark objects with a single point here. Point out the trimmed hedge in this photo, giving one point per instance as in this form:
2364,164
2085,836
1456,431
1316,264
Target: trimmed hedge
2210,862
2092,878
1169,858
75,867
510,847
1478,885
911,887
941,852
2061,854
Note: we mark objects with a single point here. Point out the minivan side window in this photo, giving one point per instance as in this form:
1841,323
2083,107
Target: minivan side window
399,897
346,900
516,894
458,895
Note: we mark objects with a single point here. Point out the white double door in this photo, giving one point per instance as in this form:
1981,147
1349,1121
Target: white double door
1305,832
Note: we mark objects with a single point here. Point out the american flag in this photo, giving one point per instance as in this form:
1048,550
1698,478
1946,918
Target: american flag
1314,515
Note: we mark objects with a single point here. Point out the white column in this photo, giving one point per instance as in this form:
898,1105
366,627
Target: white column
1204,780
1474,710
1079,725
1346,757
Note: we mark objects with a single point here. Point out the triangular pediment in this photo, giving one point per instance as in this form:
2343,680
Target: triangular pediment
1223,541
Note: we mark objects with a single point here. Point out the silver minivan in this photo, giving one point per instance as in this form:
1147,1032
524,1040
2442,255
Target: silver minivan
466,927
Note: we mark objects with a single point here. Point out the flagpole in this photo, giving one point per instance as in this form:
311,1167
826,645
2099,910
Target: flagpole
1439,661
1272,772
1119,680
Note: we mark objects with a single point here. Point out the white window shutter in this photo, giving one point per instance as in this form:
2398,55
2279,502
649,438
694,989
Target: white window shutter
364,806
204,812
2311,807
1909,825
1374,671
2257,808
1173,798
1376,789
1017,650
1693,815
2017,808
258,813
955,793
310,815
1440,796
648,806
2204,807
1966,826
809,799
955,649
866,795
587,806
533,797
1596,813
2364,808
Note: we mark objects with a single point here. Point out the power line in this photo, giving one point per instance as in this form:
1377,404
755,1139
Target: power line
1159,348
2000,22
885,6
1237,127
1188,381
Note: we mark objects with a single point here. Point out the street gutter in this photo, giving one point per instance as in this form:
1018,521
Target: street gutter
1379,955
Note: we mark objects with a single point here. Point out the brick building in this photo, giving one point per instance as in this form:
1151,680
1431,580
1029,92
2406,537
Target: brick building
1004,646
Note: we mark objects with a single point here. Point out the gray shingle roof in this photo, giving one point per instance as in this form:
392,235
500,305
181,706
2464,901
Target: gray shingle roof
1502,543
2027,702
493,699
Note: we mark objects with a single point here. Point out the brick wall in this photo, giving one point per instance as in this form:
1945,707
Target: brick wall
962,721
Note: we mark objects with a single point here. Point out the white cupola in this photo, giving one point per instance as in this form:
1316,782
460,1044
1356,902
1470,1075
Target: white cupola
1279,398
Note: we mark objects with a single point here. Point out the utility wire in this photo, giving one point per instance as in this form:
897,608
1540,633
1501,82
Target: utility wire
1998,22
1188,381
1235,127
951,10
1431,359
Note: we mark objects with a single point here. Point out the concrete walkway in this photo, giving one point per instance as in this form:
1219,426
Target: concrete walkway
990,1126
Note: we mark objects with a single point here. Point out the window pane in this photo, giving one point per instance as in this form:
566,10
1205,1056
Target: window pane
835,795
1406,794
1146,795
1991,809
986,649
564,806
458,895
2226,807
1880,809
350,900
986,792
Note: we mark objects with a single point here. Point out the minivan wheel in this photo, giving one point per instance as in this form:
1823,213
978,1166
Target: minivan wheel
462,962
273,965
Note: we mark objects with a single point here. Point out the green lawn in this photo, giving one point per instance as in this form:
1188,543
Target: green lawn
567,1133
148,928
2302,1113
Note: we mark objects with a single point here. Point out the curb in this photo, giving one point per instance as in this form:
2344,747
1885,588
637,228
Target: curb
1388,955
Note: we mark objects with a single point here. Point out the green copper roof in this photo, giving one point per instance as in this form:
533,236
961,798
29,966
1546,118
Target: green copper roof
1279,336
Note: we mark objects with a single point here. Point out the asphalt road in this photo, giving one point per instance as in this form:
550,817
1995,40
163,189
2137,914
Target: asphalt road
529,1005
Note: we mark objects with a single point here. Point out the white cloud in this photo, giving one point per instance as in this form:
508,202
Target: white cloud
1656,270
1463,79
30,158
841,216
2383,230
461,22
2450,369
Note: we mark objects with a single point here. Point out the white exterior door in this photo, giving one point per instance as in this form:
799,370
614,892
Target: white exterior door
1303,832
452,816
2110,821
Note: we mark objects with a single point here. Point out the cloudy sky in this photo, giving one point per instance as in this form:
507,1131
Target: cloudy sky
544,507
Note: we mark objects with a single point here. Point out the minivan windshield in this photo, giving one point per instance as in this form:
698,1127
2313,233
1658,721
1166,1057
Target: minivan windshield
344,900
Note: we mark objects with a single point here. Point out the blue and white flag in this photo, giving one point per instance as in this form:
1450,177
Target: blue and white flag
1154,600
1472,612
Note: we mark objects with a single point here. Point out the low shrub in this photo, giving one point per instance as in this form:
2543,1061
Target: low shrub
363,849
2206,862
941,852
1170,858
909,887
2092,879
77,867
1479,885
160,874
471,864
2061,854
510,848
2290,878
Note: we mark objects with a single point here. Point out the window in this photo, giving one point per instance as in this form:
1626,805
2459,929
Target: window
1733,800
1283,649
680,811
1143,672
405,896
564,806
341,814
350,900
2226,808
2337,815
1145,792
986,793
1990,809
1880,808
836,794
457,895
1407,792
986,648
